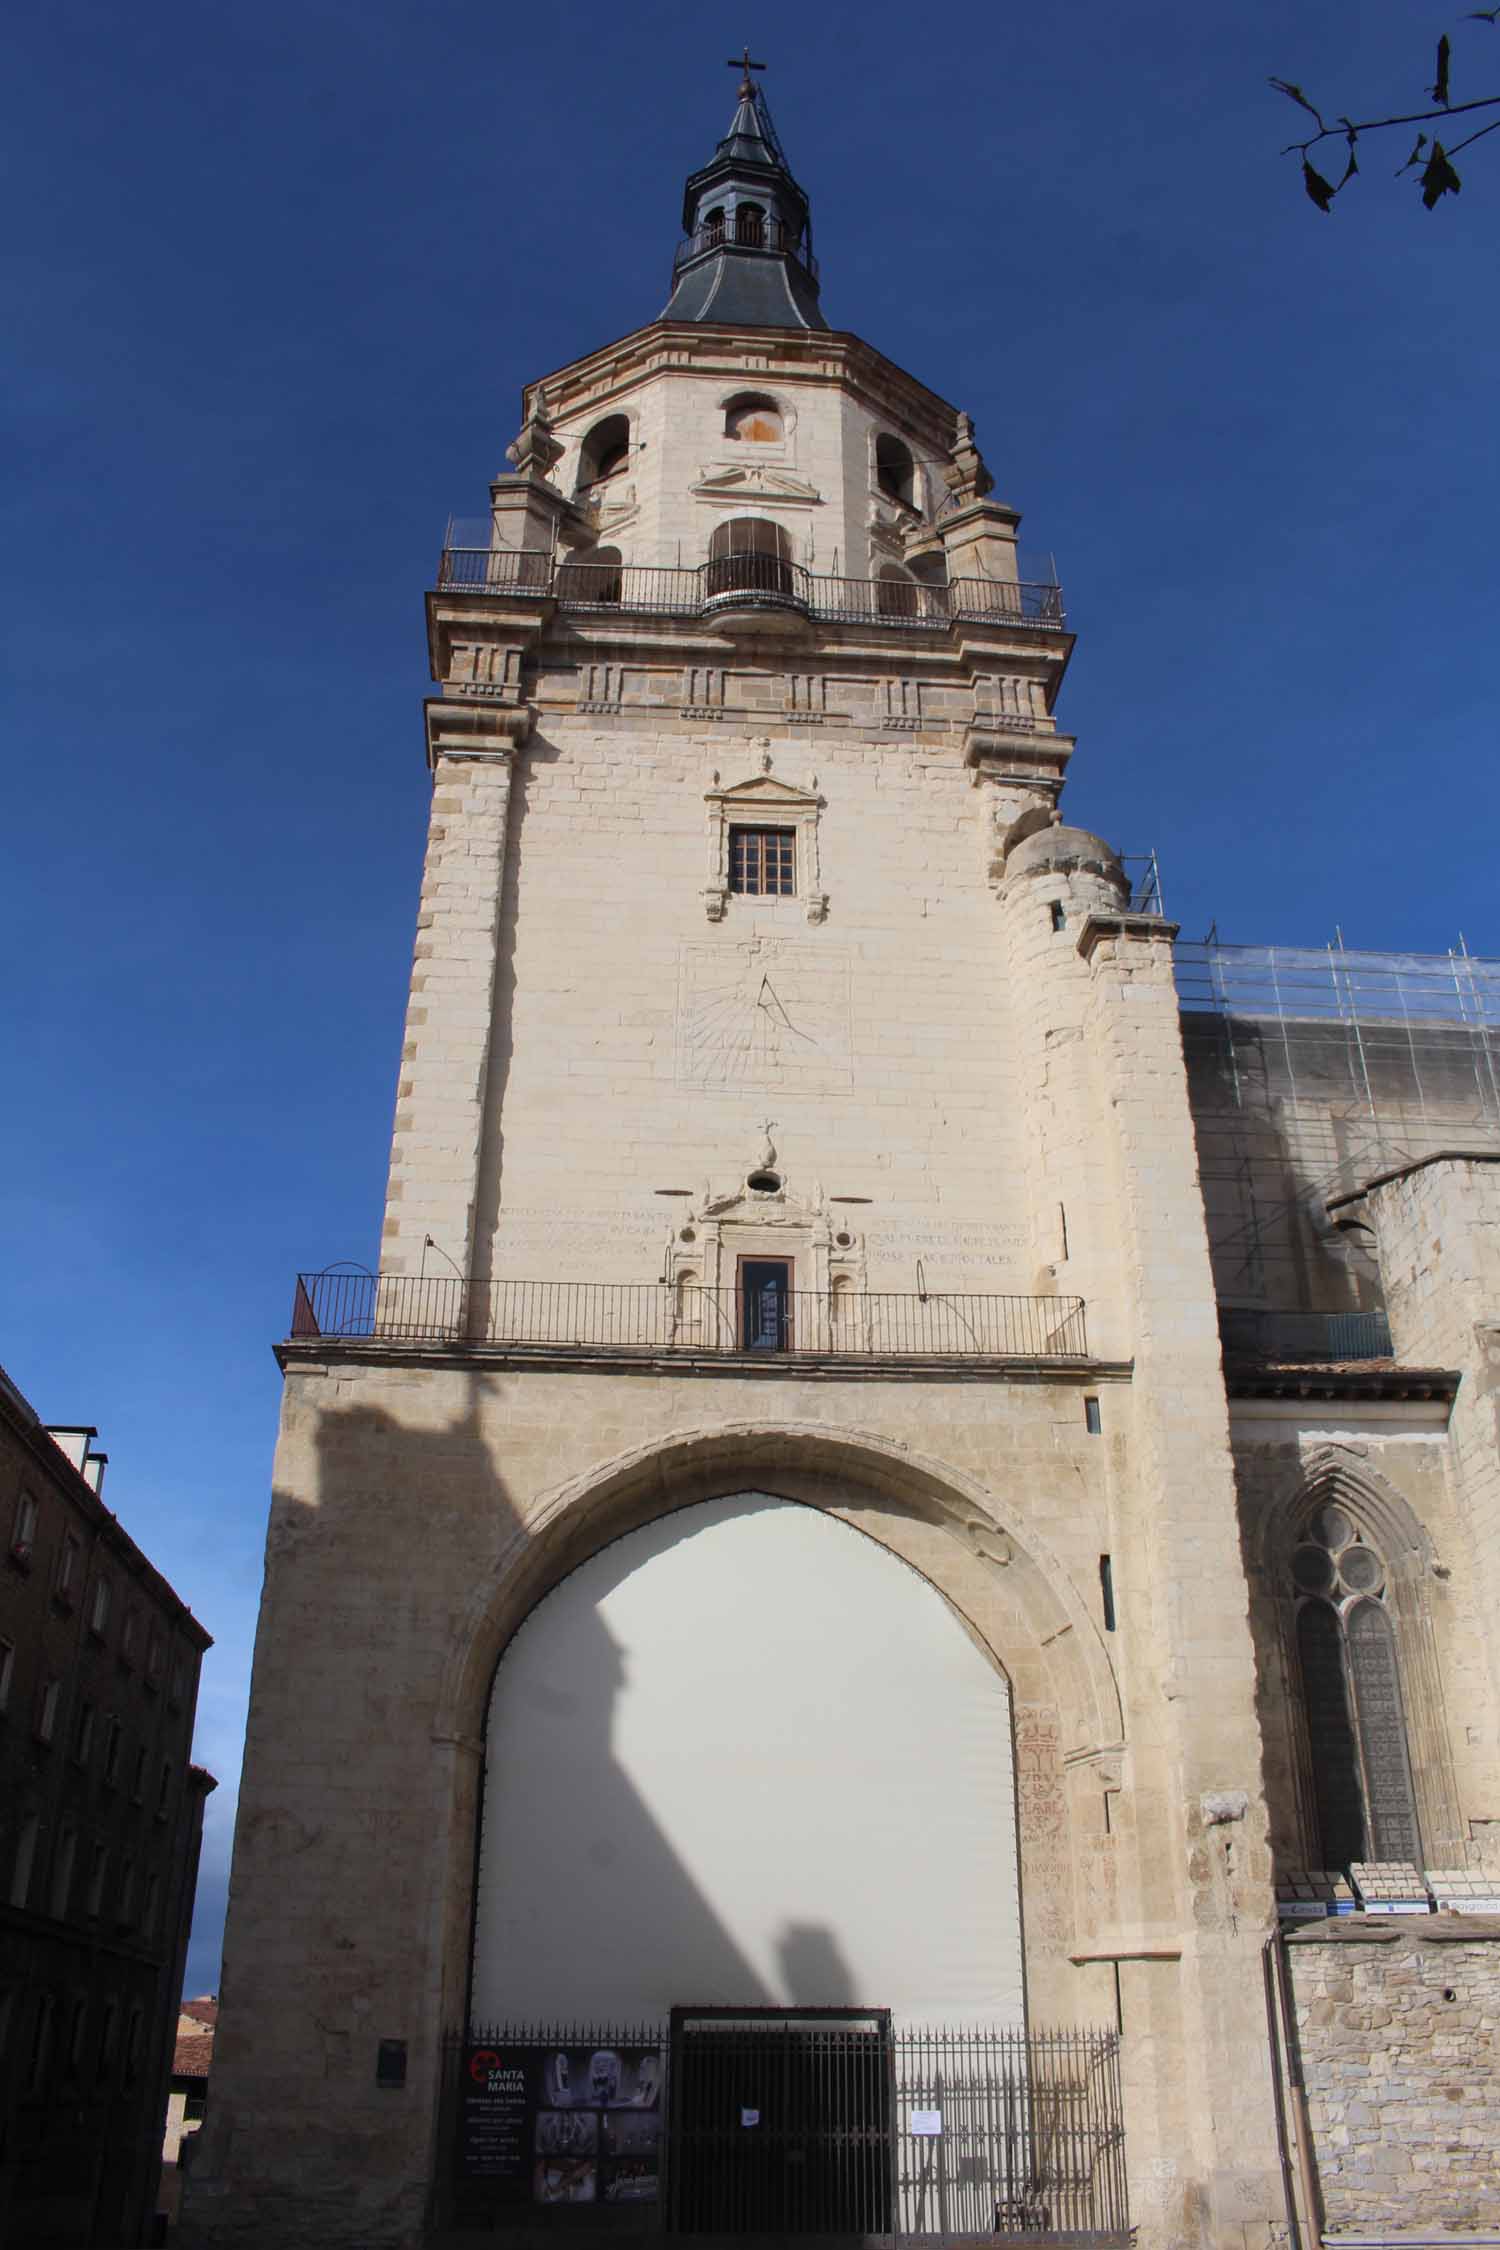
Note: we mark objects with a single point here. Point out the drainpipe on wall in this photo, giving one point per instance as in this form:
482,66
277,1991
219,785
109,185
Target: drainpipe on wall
1301,2115
1283,2148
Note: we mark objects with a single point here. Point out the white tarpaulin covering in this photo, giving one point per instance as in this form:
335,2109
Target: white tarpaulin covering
746,1756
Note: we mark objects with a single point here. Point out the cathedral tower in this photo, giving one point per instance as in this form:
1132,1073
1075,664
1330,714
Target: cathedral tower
766,1539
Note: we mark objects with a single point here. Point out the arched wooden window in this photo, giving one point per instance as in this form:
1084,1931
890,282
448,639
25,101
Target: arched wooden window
1351,1694
713,224
750,225
749,555
606,450
895,470
754,420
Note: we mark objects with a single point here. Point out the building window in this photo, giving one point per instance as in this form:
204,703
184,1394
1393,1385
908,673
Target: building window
1351,1694
762,862
108,2027
46,1710
713,224
754,420
61,1875
69,1572
114,1735
133,2047
23,1531
7,1672
125,1904
153,1906
99,1608
750,225
77,2028
138,1779
25,1859
177,1695
895,470
83,1739
130,1637
750,555
98,1863
605,452
156,1660
164,1792
41,2042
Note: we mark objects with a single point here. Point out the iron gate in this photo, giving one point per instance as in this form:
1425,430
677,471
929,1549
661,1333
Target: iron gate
797,2121
781,2123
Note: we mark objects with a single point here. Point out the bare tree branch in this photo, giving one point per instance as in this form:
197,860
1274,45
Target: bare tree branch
1437,176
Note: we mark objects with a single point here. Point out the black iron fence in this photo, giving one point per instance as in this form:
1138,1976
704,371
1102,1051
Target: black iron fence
748,578
812,2121
1315,1337
658,1317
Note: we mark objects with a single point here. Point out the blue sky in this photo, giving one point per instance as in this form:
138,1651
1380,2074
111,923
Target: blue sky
274,278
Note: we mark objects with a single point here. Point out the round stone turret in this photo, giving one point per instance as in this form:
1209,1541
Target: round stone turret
1091,865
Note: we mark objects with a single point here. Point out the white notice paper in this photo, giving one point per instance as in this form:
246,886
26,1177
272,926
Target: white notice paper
749,2116
925,2123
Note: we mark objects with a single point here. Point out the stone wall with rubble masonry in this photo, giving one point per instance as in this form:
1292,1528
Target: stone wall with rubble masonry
1399,2029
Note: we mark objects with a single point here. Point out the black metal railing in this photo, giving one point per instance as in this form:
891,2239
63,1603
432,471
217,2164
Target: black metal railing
754,580
660,1317
1317,1338
815,2121
747,232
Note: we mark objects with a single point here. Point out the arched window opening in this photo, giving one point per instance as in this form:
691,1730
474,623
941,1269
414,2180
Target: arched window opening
713,224
606,451
1351,1695
930,569
595,580
750,226
749,555
895,595
895,470
754,420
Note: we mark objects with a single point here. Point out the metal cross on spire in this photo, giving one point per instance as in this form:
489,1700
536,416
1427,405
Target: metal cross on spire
745,65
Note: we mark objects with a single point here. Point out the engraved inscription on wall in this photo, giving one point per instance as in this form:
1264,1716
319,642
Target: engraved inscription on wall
765,1013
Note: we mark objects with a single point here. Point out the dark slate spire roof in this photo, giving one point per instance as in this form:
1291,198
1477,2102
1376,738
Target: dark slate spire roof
748,255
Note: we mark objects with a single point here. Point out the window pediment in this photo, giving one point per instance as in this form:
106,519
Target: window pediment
763,799
757,482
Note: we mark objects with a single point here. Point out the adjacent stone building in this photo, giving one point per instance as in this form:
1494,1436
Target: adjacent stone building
101,1816
781,1557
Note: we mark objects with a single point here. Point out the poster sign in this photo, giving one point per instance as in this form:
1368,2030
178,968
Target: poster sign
564,2125
497,2105
926,2124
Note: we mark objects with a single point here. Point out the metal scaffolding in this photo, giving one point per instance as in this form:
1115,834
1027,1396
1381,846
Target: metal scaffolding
1311,1070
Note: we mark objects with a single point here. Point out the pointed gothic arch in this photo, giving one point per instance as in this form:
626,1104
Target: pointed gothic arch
1019,1606
1366,1759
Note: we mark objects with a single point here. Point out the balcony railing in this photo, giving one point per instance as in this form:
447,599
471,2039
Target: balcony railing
748,581
748,234
652,1317
1317,1339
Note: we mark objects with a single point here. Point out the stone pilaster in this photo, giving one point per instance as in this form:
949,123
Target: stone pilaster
439,1136
1196,1818
1437,1232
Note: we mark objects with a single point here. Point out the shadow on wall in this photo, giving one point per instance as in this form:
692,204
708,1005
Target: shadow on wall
355,1842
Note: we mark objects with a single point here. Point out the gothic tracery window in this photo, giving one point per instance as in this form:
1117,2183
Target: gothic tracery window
1351,1693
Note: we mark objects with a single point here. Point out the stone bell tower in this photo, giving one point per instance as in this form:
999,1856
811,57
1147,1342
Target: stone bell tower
792,1218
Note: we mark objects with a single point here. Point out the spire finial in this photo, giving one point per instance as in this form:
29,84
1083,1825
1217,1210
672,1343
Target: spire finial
743,64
